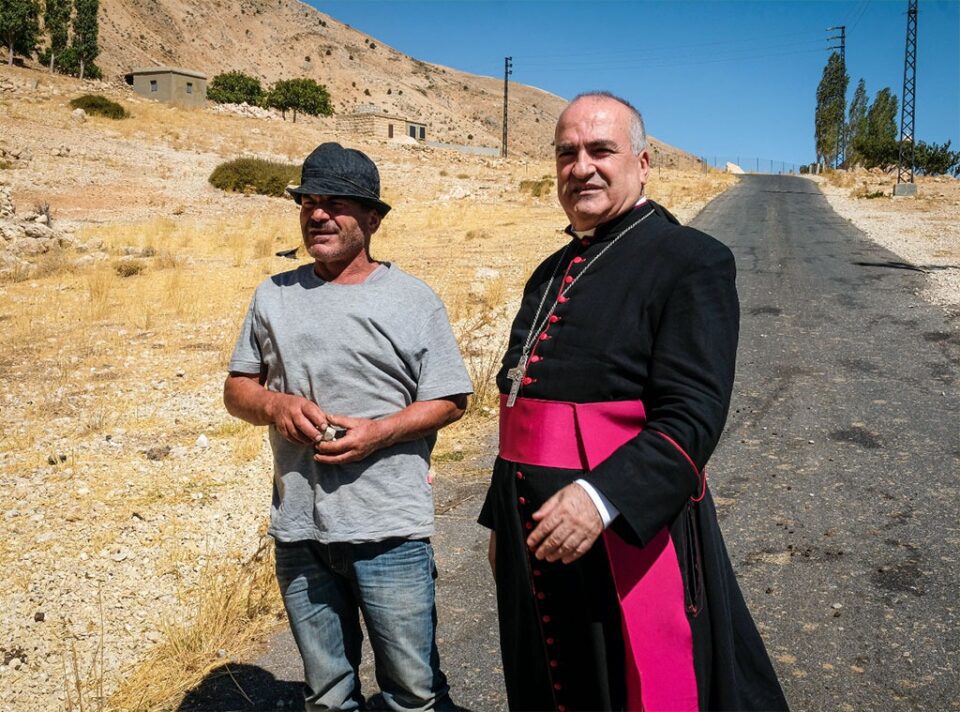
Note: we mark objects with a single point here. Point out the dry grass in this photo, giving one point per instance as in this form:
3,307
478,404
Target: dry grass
232,607
103,363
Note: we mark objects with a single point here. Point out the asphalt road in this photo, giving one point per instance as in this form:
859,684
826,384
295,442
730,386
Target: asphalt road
836,480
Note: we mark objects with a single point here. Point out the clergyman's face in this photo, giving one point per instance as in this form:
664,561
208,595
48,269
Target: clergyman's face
336,229
598,174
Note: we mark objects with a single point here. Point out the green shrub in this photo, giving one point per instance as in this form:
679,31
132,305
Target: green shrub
99,106
255,175
235,88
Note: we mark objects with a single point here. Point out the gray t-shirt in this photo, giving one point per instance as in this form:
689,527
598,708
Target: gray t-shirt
365,351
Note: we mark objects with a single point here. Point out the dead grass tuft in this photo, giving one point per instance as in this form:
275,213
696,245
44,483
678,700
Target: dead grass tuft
231,607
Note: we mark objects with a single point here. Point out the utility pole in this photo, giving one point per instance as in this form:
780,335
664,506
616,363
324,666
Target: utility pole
507,71
842,128
905,184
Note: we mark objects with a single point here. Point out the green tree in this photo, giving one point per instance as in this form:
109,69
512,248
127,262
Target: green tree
299,95
19,26
85,35
936,159
56,23
857,122
831,107
877,144
234,88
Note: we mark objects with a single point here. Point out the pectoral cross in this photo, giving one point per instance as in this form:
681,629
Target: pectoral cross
515,375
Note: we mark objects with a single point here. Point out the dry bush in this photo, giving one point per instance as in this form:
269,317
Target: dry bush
231,607
537,188
840,178
129,268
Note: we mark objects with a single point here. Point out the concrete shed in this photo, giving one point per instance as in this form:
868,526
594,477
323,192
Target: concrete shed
169,84
371,121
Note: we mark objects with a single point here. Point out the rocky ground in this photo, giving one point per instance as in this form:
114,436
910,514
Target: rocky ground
127,493
924,231
124,487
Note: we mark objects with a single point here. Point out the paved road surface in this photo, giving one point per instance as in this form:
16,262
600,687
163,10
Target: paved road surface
836,479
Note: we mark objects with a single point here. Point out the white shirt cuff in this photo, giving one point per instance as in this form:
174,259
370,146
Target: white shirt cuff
606,510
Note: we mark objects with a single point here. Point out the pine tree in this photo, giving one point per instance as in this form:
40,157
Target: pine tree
19,26
857,122
831,108
85,35
56,21
878,142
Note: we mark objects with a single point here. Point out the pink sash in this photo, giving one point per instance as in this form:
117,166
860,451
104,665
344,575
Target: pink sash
578,436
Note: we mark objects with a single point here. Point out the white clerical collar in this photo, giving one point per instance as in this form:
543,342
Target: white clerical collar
592,231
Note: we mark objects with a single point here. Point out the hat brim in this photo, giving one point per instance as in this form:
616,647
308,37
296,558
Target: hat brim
298,191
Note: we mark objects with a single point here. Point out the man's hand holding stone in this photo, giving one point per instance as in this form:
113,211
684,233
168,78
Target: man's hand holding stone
569,524
363,437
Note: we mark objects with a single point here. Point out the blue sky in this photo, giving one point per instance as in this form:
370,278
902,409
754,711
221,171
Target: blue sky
720,79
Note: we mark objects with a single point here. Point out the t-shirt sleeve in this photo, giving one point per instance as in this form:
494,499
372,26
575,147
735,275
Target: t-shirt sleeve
247,357
441,371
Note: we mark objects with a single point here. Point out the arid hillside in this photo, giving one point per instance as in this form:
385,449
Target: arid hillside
283,39
133,505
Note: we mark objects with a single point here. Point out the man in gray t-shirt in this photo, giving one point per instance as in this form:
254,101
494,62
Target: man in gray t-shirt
353,366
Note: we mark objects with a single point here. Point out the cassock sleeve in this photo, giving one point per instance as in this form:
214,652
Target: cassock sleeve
686,397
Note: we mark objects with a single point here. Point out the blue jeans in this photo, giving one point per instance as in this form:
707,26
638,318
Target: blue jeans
325,586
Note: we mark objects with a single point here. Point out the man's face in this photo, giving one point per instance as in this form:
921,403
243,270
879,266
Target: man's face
336,229
598,175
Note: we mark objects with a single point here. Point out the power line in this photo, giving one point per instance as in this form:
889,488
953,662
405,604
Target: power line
576,65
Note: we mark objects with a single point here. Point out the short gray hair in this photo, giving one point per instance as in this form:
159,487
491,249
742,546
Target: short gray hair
638,136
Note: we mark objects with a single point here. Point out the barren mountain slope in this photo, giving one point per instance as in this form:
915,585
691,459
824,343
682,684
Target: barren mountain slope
287,38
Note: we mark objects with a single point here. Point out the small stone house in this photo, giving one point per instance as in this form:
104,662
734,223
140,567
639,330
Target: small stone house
373,122
169,84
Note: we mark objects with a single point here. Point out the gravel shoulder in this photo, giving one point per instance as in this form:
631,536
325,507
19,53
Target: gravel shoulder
924,231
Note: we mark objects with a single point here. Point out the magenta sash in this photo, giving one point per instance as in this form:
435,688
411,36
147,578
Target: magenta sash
578,436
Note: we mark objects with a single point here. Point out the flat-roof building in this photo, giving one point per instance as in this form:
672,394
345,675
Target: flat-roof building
372,121
169,84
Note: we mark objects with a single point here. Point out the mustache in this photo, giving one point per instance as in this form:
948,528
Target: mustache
574,186
322,226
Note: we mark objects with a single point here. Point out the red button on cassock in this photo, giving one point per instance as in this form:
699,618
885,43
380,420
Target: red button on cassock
554,664
562,299
550,641
526,380
536,359
544,337
541,596
546,619
528,525
557,686
536,572
577,260
522,500
519,475
554,318
584,242
561,708
568,279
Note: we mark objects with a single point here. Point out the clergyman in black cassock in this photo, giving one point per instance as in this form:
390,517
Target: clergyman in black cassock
614,587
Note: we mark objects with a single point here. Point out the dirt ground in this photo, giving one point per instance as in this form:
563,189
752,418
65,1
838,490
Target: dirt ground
130,499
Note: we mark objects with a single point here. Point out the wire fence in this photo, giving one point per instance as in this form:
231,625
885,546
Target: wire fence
735,164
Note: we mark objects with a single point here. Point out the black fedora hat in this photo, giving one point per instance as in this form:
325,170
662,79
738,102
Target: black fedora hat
334,170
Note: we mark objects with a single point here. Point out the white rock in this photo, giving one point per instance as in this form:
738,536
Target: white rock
203,441
79,115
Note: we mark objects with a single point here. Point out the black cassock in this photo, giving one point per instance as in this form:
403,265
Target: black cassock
655,318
